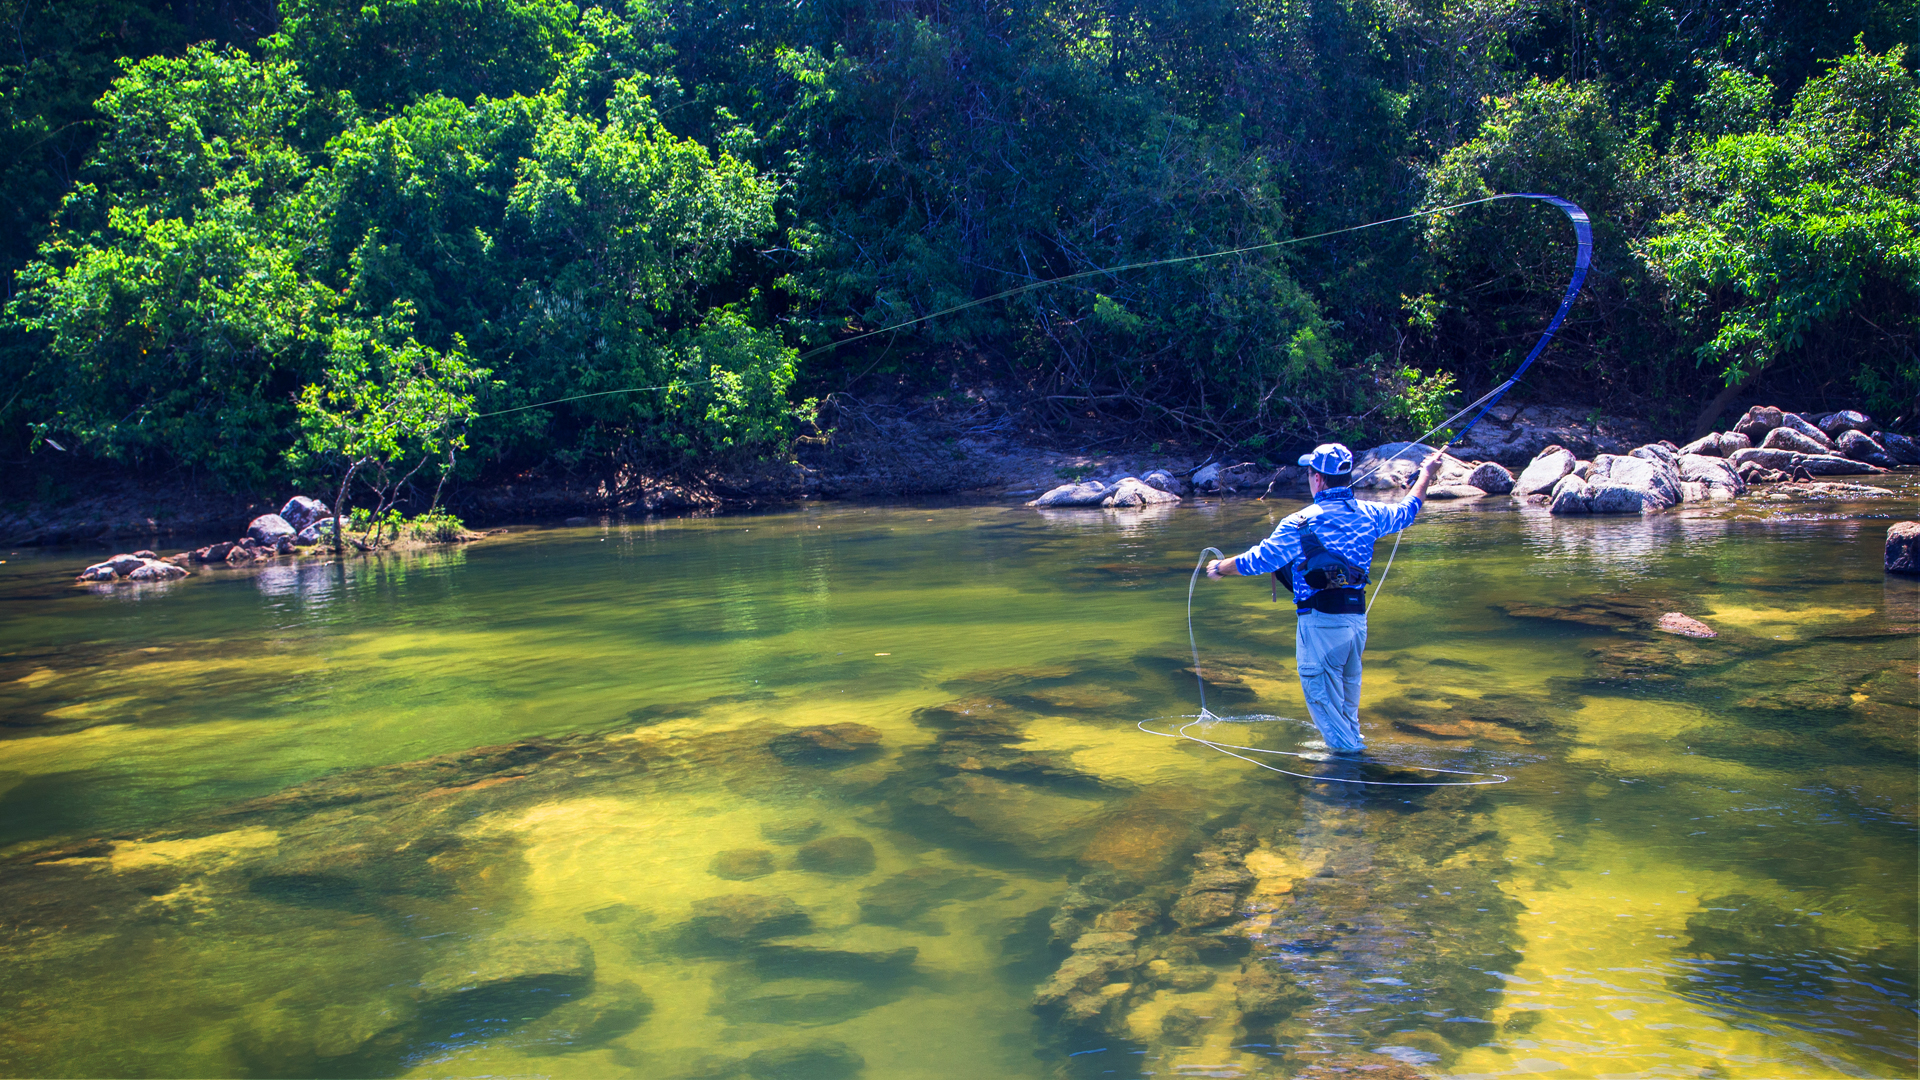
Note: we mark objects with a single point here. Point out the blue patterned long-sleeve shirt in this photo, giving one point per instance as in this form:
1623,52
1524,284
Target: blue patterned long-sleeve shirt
1347,526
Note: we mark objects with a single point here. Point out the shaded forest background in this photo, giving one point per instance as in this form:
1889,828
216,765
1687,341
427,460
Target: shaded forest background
234,229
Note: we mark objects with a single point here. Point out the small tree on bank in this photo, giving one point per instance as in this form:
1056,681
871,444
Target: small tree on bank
379,407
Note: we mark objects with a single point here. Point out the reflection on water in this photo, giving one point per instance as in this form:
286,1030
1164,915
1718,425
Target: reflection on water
858,792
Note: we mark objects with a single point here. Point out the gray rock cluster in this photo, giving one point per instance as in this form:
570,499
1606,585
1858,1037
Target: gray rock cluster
1126,492
138,566
1768,445
303,522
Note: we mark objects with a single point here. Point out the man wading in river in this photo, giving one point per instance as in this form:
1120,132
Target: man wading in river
1325,552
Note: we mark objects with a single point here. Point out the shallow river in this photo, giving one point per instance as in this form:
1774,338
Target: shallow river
860,791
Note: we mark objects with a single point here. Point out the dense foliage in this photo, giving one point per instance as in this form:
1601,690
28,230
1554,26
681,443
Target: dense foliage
495,218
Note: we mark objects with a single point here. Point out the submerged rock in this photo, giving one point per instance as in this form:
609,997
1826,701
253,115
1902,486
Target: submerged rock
583,1024
791,832
860,965
1265,992
841,856
825,743
745,917
742,864
823,1059
912,893
1675,623
511,964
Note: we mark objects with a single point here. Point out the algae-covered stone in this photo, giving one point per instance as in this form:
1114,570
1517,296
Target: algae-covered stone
1265,992
798,831
908,894
841,856
1140,842
1205,909
749,917
508,964
742,864
862,965
600,1017
825,743
824,1059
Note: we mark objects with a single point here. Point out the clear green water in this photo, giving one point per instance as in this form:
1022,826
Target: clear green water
1705,864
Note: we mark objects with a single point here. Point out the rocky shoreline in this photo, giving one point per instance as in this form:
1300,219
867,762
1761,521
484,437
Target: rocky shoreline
917,457
303,526
1767,446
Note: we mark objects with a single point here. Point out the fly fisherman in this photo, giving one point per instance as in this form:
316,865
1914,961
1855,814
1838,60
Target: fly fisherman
1325,553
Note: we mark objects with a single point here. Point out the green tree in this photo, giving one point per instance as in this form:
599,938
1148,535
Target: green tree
169,311
388,53
377,407
1802,239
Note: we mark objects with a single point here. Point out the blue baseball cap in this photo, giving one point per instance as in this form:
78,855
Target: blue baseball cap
1330,458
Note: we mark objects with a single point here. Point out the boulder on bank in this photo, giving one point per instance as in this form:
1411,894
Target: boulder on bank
1786,438
1132,492
1834,465
318,532
1903,548
1720,477
1085,493
1764,458
1860,447
302,511
1492,478
1543,474
1845,420
269,528
1717,444
1902,450
1757,422
1163,480
1796,422
1391,465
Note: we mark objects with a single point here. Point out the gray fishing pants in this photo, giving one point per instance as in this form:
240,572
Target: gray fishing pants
1327,649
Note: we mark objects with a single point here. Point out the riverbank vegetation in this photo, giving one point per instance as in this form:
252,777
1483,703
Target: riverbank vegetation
264,242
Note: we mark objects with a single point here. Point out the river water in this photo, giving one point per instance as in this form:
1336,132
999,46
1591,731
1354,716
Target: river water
248,829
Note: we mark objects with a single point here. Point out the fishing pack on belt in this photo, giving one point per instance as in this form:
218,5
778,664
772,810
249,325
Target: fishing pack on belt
1339,587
